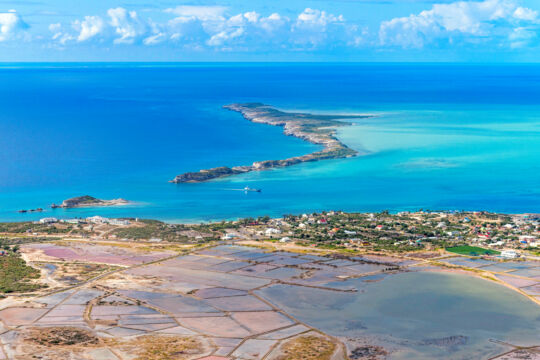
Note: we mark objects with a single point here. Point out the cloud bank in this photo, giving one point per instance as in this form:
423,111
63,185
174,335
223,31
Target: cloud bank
208,26
498,21
488,23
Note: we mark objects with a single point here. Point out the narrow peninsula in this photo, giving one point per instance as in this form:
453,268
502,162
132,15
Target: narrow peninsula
316,129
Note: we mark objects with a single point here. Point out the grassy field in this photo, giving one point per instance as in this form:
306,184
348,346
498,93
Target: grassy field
472,250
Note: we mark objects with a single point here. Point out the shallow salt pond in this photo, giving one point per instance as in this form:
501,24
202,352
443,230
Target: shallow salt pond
411,314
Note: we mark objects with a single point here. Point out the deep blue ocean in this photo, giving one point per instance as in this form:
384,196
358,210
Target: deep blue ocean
442,137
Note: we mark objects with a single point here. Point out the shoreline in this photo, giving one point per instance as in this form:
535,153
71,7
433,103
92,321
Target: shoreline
315,129
216,220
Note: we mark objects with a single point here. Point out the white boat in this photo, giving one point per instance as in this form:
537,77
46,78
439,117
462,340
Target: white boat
248,189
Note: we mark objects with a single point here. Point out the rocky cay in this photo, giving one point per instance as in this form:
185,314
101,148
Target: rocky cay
316,129
88,201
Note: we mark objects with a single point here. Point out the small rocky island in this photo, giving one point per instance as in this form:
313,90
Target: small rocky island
317,129
88,201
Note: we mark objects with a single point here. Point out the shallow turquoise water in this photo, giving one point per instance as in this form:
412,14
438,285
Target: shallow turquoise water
443,137
408,311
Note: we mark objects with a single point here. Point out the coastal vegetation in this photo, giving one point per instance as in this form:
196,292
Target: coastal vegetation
31,227
153,229
6,242
15,275
472,250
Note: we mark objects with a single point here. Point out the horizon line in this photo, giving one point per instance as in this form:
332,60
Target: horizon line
272,62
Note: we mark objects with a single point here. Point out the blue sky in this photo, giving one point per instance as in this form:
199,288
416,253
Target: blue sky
277,30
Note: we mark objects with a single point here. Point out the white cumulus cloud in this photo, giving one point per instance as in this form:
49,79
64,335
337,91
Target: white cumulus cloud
119,26
126,24
522,13
213,26
317,17
11,25
224,36
474,19
477,23
89,27
204,13
59,34
314,27
196,27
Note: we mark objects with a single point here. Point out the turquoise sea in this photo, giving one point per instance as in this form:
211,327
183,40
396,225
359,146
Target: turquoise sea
442,137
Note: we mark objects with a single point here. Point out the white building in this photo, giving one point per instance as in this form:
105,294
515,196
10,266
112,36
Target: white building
72,221
285,239
97,220
509,254
118,222
49,220
228,236
272,231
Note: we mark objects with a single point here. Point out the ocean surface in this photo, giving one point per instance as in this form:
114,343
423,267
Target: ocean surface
442,137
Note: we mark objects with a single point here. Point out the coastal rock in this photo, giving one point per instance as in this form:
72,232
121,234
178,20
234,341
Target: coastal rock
316,129
205,175
88,201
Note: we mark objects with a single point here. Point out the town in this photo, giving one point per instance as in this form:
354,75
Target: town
404,231
473,233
